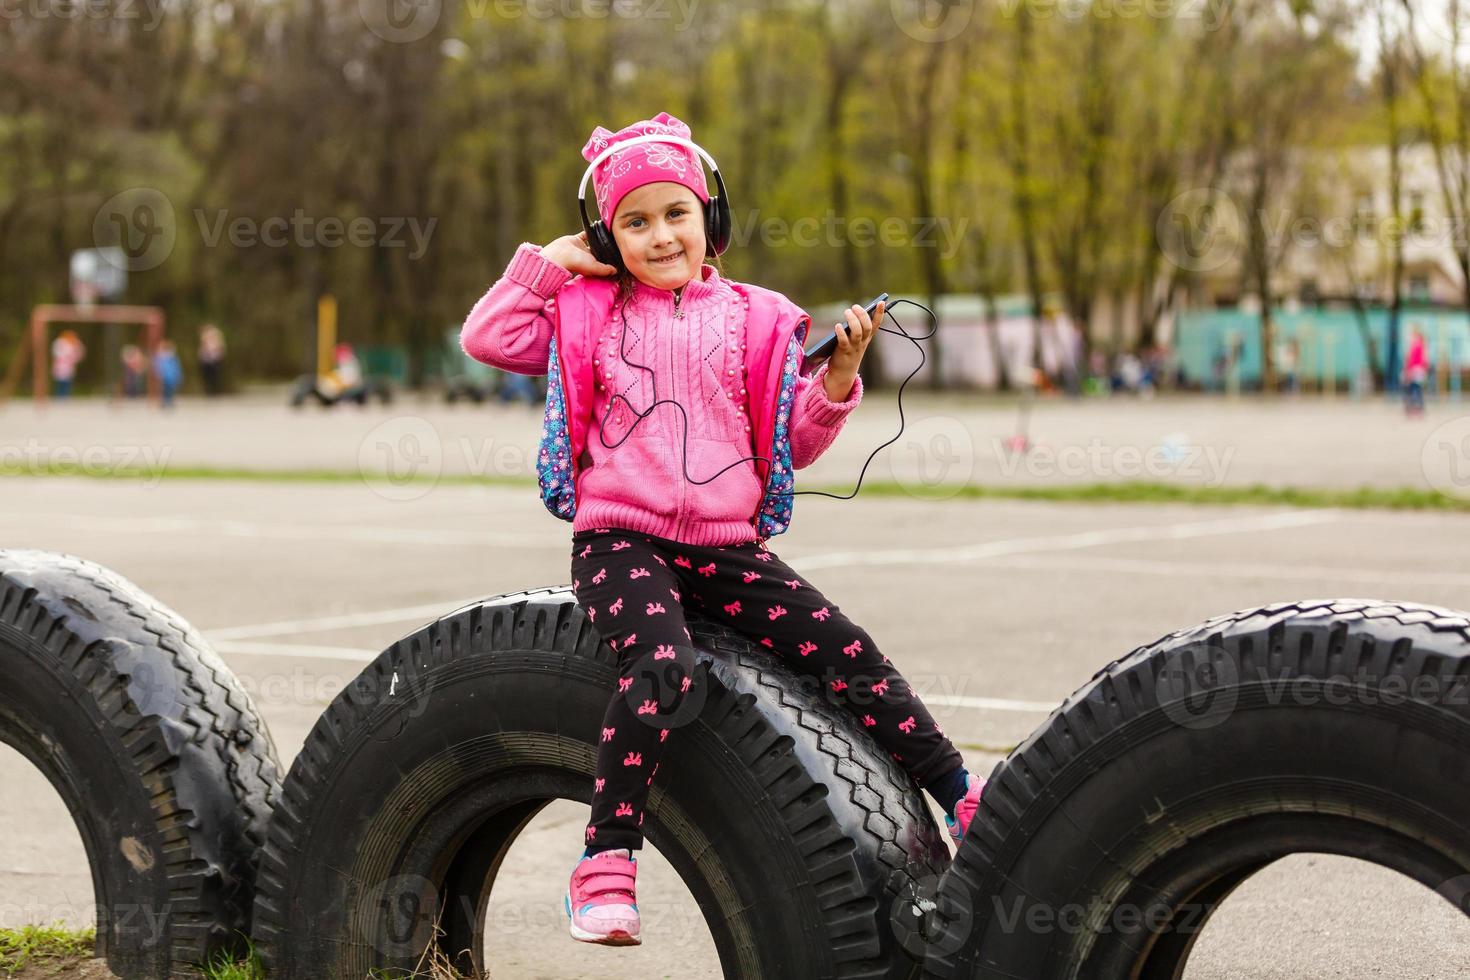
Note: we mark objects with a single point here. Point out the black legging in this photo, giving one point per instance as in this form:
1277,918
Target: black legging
633,586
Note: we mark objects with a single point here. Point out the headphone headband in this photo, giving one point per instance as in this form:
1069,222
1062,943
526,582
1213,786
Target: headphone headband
717,221
649,138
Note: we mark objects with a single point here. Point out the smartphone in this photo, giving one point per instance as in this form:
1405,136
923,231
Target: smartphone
823,348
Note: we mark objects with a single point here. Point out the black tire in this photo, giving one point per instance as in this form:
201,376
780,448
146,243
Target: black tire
797,835
157,751
1108,837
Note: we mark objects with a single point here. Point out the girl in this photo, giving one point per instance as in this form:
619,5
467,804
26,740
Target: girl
670,507
67,351
1416,369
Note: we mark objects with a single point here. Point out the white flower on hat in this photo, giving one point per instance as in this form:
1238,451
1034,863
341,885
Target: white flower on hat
667,157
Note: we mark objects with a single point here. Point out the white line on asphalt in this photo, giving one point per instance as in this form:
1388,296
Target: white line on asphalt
318,624
1207,570
434,537
293,650
992,704
1067,542
367,656
429,537
976,552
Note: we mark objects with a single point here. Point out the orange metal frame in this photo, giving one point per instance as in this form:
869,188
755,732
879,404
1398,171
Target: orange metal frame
151,317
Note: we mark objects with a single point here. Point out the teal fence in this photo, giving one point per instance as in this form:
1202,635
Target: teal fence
1330,343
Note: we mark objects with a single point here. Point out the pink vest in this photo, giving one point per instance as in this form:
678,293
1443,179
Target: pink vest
771,364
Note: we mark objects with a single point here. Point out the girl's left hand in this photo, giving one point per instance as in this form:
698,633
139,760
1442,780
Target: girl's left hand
853,342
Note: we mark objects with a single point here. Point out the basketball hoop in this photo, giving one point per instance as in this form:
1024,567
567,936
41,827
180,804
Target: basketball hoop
97,274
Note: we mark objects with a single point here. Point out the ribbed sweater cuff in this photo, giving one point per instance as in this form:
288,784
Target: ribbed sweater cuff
825,412
540,275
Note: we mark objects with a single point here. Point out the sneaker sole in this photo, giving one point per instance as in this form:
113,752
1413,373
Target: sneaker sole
617,937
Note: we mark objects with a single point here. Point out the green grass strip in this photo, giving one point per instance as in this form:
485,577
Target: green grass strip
33,944
1122,491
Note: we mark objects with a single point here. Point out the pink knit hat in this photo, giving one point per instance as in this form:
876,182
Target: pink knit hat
646,163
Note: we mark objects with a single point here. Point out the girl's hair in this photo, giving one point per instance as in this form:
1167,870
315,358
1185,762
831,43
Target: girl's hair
626,278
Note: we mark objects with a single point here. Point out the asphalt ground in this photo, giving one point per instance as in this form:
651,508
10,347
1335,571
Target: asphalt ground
995,610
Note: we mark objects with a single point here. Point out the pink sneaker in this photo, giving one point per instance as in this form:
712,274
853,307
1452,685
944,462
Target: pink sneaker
601,899
964,810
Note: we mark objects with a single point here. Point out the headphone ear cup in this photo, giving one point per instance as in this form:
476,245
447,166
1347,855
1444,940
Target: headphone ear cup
604,247
717,223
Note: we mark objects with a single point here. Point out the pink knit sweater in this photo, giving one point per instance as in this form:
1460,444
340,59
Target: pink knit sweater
633,473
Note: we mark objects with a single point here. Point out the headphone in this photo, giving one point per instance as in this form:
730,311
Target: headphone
716,209
717,226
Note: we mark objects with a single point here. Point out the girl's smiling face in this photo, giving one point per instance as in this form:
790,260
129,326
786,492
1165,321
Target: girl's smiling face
663,220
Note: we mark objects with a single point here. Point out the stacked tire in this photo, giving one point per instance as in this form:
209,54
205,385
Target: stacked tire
1102,846
1107,838
157,751
799,838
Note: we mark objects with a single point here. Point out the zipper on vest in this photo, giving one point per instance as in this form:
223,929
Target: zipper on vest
681,477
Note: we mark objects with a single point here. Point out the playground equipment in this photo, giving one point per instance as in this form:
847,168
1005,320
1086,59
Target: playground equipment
1335,726
464,377
338,376
151,318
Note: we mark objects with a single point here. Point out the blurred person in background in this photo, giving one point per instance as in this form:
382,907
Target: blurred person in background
212,359
513,387
67,351
170,371
1286,360
1416,369
134,371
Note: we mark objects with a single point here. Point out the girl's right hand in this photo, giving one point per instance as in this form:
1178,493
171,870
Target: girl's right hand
573,254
